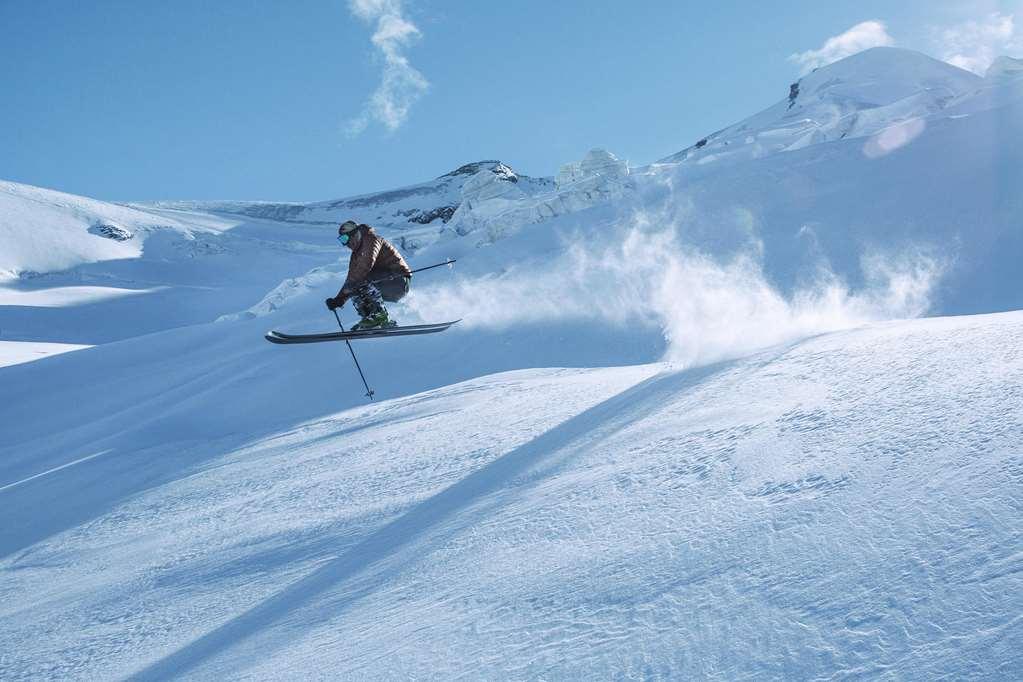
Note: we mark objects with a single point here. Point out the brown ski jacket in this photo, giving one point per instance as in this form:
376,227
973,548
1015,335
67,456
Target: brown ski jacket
374,254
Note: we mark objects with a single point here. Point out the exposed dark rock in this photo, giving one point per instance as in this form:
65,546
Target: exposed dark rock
118,234
472,168
793,93
495,167
426,217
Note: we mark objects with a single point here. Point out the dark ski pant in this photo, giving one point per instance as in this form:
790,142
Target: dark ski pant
379,286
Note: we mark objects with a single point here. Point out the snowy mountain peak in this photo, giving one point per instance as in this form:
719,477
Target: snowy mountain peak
858,96
496,167
882,75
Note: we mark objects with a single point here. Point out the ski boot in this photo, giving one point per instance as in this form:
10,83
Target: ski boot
378,320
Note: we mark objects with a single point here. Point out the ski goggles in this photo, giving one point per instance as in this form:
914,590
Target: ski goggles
343,239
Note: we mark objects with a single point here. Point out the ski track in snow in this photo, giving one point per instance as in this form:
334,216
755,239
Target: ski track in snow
816,510
53,470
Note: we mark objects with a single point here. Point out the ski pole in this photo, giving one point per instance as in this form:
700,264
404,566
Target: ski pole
369,391
449,262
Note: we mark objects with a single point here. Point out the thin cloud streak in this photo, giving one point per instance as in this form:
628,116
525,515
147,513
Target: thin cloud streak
401,84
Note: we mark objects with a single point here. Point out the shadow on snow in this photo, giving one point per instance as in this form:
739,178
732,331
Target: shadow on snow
509,474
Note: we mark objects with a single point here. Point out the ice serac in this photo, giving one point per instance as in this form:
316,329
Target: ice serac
597,163
485,194
484,186
855,97
495,209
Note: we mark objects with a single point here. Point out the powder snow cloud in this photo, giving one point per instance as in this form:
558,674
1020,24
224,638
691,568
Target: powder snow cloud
860,37
401,84
974,44
729,309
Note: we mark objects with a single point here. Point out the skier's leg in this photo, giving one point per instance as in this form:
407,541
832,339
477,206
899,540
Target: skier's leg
369,304
367,300
394,288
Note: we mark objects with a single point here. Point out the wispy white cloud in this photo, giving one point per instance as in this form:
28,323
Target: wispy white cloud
401,84
974,44
860,37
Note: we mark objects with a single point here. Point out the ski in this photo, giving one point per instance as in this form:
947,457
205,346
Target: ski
282,338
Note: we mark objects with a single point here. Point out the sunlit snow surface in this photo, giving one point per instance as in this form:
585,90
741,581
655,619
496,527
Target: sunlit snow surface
682,430
17,352
849,504
63,297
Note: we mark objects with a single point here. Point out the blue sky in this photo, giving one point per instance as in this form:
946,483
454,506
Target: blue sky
136,100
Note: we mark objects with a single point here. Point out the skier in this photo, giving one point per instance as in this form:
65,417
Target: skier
376,273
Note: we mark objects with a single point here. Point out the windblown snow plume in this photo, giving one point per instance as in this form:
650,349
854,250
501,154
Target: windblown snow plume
862,36
708,309
401,84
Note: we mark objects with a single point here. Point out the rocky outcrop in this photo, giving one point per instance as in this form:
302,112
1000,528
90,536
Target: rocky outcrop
111,231
442,213
495,167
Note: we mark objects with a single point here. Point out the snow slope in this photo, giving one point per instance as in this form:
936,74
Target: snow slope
682,430
845,505
42,230
179,268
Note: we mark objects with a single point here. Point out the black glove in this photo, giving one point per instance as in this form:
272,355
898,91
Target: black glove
333,304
